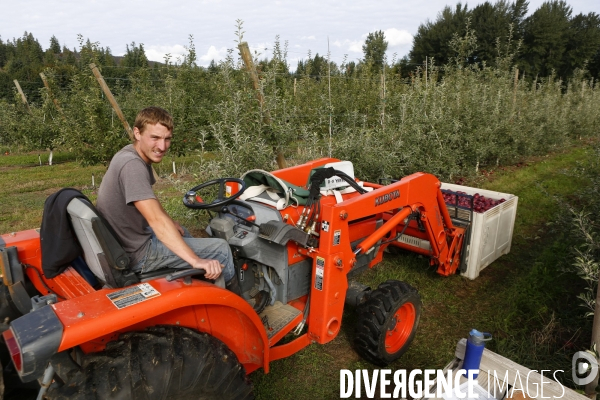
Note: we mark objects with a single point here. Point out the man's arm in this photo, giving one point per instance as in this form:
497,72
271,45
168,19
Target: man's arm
177,225
167,231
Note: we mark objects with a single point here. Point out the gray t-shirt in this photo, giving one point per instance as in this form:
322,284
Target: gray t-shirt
127,179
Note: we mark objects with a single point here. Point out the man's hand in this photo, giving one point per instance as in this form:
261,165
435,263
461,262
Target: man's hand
179,228
169,233
212,267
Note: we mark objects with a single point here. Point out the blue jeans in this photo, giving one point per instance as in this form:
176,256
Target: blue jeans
158,256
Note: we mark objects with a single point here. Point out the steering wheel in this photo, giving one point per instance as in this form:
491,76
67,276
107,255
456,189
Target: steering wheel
192,200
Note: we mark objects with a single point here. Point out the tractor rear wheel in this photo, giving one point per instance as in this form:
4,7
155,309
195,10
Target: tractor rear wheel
162,362
387,322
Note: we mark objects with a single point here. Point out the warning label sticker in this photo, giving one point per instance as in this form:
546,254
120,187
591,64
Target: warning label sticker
336,237
320,273
132,295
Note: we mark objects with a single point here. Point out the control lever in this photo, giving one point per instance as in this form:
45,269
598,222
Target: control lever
226,210
185,273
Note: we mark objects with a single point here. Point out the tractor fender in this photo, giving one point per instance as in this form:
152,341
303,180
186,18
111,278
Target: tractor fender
90,321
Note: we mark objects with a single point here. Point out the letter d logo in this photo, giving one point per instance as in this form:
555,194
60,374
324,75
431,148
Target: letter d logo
584,362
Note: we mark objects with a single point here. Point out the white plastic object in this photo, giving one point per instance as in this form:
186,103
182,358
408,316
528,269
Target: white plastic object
491,231
336,182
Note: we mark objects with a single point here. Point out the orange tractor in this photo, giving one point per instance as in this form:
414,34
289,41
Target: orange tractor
298,236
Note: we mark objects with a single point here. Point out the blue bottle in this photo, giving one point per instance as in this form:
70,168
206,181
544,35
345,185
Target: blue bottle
474,351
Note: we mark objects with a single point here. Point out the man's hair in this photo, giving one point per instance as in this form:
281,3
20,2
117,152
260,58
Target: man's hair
153,116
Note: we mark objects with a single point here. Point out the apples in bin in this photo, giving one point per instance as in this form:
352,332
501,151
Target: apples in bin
480,203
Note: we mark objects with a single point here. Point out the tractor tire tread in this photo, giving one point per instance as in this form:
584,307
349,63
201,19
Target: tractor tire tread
162,362
373,318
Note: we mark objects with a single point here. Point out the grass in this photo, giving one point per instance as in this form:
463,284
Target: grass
24,189
525,299
25,185
33,159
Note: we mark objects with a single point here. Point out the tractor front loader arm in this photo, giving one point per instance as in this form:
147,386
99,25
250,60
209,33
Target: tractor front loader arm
93,320
413,205
422,199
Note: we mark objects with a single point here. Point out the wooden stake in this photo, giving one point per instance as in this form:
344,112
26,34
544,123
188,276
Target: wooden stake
294,87
116,107
23,98
247,58
111,99
50,94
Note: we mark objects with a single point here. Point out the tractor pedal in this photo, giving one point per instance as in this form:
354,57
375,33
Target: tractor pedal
253,292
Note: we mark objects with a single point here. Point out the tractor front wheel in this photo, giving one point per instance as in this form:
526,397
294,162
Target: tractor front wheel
162,362
387,322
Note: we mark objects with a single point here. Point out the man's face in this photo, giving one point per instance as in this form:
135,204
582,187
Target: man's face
153,143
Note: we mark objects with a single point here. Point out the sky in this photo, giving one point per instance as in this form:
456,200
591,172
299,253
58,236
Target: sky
339,27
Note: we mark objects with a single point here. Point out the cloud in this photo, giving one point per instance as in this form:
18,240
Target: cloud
177,52
157,53
355,46
311,37
261,50
397,37
212,54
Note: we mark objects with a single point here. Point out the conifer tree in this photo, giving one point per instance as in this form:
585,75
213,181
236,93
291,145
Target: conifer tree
374,49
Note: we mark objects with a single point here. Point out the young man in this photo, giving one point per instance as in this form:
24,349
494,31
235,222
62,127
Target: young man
152,239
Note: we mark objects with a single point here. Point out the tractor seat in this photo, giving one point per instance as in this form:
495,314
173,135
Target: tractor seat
103,253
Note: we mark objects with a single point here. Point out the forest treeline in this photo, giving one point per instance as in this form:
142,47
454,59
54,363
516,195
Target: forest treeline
551,40
447,116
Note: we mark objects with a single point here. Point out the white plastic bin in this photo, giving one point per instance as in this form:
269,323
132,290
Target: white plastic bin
491,231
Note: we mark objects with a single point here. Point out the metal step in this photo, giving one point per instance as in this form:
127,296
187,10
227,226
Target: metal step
277,316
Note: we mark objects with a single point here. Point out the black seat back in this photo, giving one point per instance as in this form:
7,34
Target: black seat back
103,253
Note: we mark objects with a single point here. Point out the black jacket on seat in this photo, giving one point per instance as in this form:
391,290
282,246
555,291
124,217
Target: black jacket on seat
59,243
